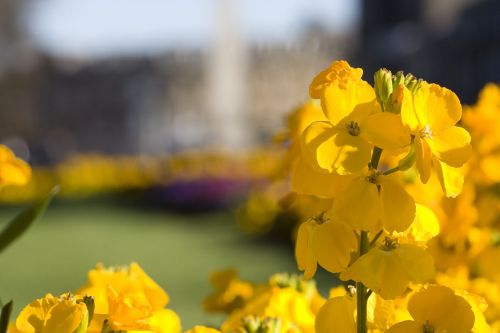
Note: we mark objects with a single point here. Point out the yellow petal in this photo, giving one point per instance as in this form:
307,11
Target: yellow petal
13,171
202,329
339,72
336,316
424,227
407,326
339,101
443,109
389,272
358,206
353,153
422,159
450,178
305,180
304,254
451,146
397,206
444,310
385,130
409,116
318,146
332,244
51,314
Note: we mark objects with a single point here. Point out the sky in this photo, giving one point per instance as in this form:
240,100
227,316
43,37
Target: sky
98,28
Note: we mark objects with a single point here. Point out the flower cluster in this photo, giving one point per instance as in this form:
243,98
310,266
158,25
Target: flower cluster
115,299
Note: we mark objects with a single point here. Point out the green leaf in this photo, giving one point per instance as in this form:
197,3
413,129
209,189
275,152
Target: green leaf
4,317
23,221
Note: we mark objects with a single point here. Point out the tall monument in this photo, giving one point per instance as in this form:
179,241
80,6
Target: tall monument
227,73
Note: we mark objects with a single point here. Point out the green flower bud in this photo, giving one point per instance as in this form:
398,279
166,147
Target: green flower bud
407,162
253,324
383,86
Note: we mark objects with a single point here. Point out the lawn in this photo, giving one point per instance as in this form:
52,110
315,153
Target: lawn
178,251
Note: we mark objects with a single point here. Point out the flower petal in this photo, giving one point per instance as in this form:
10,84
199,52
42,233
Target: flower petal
422,159
407,326
358,206
451,146
333,243
336,315
353,153
304,254
339,101
450,178
305,180
397,206
443,109
385,130
318,146
444,310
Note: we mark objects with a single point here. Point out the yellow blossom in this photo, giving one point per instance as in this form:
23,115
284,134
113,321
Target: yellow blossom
388,269
355,122
289,305
324,242
202,329
437,309
336,316
125,280
50,314
229,293
374,201
430,115
13,171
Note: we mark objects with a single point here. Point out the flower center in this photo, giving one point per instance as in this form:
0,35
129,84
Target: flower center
389,245
352,128
320,218
372,177
427,328
426,132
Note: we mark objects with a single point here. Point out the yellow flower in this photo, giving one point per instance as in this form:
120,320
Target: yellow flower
163,321
430,115
374,201
355,121
437,309
63,314
324,242
13,171
287,304
230,292
202,329
130,311
126,280
336,316
390,268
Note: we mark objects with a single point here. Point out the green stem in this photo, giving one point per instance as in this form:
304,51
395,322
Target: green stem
361,292
388,172
364,246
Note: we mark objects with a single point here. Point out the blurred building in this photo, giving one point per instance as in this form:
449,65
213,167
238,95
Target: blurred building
451,42
231,96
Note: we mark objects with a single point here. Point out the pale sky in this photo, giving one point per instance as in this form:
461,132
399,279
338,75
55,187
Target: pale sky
107,27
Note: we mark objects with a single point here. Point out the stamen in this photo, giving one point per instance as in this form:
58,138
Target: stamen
353,128
390,244
426,132
427,328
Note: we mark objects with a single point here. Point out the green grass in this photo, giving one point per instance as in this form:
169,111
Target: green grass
177,251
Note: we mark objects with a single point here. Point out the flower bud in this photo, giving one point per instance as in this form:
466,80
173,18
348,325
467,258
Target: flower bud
383,86
252,324
407,162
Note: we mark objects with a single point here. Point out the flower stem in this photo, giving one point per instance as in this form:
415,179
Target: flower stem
361,292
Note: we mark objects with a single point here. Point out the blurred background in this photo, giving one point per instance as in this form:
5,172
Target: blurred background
172,106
